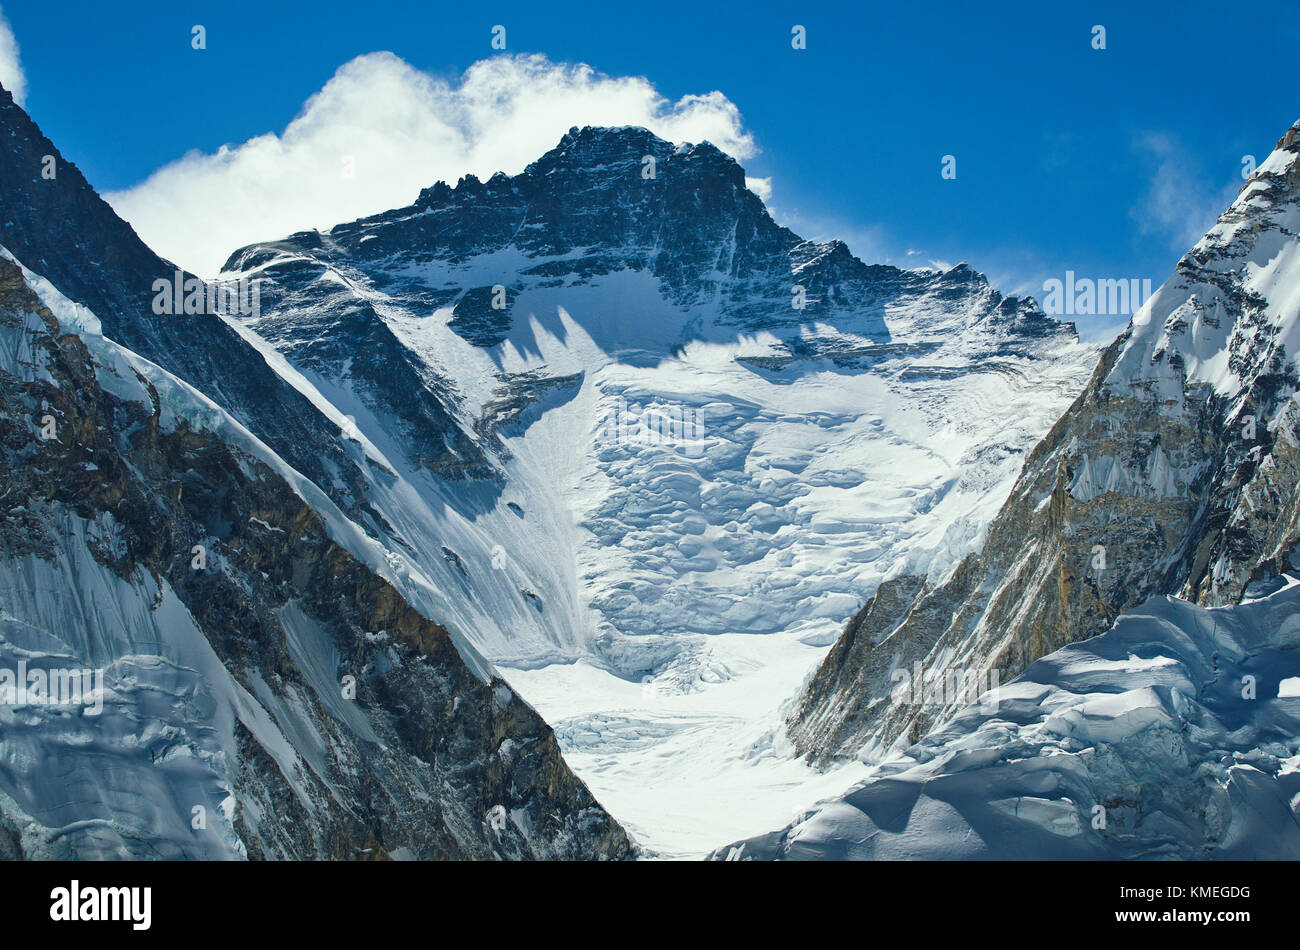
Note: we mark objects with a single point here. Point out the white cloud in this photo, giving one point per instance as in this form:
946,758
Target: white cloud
11,70
399,130
761,187
1179,204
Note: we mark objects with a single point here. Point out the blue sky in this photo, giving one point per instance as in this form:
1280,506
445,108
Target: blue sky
1105,162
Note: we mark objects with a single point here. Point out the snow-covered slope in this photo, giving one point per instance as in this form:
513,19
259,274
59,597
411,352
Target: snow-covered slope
245,686
1174,735
631,584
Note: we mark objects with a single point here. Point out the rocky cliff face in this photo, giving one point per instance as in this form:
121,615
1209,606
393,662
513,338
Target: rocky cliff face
1173,473
253,668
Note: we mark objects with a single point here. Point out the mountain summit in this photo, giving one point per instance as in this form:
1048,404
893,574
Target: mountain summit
630,429
609,200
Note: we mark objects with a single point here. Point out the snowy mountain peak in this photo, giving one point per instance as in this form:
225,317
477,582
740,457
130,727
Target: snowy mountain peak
622,200
592,145
1229,318
1173,473
596,157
